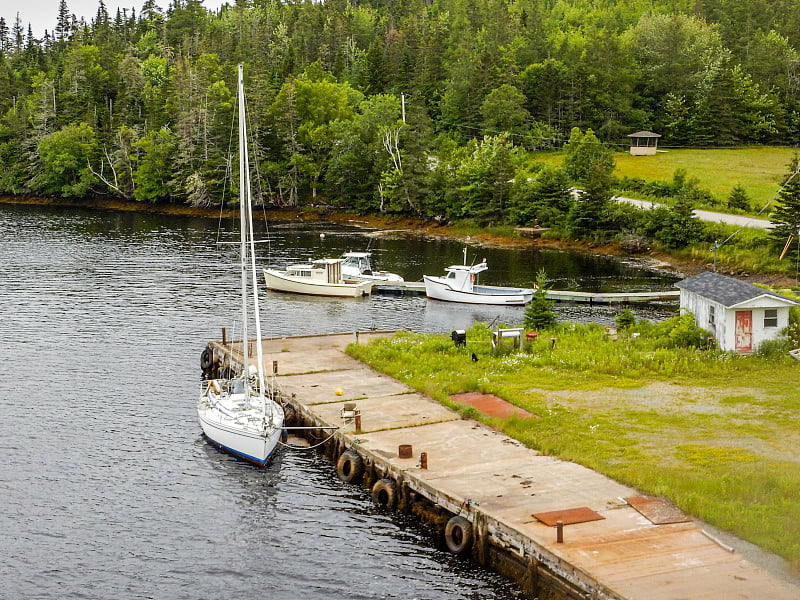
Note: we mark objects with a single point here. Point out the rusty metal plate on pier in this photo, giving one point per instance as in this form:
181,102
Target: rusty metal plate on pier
658,510
568,516
490,405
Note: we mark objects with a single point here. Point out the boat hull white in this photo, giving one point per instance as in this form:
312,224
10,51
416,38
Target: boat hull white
251,442
438,289
280,282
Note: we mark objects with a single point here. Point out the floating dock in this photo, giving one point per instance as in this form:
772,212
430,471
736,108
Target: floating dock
418,287
556,528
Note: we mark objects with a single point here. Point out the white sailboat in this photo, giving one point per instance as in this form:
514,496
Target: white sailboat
240,415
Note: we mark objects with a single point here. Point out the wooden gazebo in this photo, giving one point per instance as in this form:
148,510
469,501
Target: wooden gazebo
643,143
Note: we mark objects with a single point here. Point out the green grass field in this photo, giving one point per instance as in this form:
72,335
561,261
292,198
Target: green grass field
717,434
759,170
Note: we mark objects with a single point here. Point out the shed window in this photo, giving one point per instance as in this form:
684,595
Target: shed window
771,317
712,319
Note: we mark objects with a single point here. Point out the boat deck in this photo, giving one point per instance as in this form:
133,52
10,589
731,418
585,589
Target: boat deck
500,485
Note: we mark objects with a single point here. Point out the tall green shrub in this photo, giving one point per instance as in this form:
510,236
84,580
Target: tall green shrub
539,313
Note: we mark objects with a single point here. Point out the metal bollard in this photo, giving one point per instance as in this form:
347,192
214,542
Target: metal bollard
274,367
423,460
559,532
357,419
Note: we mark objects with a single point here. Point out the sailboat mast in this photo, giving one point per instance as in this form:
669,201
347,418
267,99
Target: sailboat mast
247,211
244,204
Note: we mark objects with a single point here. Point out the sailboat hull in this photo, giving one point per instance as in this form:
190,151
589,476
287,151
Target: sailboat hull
245,442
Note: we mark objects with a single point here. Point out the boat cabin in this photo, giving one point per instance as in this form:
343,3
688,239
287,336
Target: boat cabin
740,315
358,261
462,277
324,270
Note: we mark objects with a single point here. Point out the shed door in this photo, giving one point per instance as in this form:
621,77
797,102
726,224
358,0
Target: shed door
744,331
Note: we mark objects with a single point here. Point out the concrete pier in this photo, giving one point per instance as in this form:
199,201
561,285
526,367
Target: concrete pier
482,489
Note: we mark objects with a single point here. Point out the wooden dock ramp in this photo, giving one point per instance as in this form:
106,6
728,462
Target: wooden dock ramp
497,484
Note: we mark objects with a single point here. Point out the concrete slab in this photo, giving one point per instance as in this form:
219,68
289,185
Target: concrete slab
299,361
354,383
389,412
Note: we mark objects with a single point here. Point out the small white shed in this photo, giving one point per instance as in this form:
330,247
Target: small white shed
739,314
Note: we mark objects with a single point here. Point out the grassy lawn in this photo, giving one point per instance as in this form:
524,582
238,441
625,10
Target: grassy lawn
758,170
717,434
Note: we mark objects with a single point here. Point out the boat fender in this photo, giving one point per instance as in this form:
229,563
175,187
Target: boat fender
284,436
350,466
207,359
214,385
458,535
384,493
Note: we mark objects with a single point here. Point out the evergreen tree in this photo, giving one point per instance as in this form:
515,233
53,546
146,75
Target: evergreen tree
676,226
592,164
4,41
539,313
625,320
17,37
738,198
786,216
63,23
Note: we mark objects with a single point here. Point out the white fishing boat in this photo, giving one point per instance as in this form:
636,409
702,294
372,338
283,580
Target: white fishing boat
356,266
321,277
240,414
459,285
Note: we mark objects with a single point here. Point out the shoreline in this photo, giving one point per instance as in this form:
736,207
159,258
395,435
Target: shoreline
648,260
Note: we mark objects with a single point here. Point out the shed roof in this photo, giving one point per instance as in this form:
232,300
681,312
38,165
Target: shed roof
644,134
727,290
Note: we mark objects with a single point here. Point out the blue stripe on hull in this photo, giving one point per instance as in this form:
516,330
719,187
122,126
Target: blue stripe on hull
241,455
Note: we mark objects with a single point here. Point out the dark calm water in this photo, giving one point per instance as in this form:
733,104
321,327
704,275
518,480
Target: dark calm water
107,489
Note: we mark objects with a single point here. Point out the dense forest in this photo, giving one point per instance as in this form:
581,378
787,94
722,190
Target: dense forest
422,107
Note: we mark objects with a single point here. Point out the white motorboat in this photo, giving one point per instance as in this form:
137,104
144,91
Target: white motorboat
356,266
321,277
459,285
240,414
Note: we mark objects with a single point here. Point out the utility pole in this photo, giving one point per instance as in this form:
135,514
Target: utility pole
714,249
